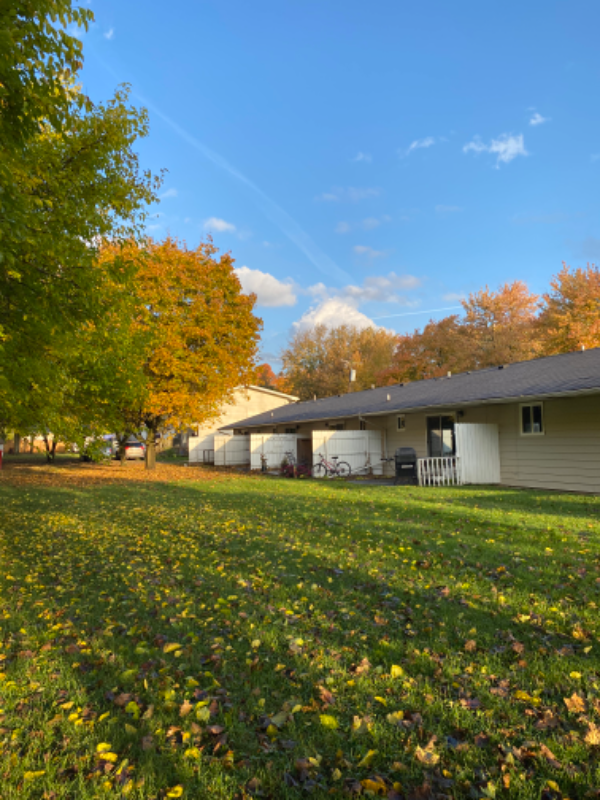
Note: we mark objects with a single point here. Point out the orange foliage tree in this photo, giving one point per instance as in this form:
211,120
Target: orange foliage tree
200,330
429,353
268,379
500,326
497,328
570,317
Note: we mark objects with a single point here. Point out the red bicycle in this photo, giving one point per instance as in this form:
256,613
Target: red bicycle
331,469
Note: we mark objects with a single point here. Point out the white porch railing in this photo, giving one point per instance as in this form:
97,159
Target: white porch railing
439,471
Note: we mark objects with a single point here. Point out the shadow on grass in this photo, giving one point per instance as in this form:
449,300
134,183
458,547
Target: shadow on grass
133,558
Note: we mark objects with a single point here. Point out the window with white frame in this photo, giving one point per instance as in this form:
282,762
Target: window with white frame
532,419
402,422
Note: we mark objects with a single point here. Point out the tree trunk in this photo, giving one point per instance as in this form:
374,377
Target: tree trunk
50,449
17,444
122,441
150,451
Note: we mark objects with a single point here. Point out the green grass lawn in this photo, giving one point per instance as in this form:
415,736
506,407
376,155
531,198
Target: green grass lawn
246,637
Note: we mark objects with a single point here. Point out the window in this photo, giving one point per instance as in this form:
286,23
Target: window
340,426
532,419
440,436
402,422
290,430
363,425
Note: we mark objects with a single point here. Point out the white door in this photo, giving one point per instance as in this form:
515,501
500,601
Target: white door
354,447
478,449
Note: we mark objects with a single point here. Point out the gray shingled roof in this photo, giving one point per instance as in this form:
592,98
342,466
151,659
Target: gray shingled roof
565,373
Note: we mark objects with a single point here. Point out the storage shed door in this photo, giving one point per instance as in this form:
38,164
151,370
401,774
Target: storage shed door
231,451
354,447
273,446
478,449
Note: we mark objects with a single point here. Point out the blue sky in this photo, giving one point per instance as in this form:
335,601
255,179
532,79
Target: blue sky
368,163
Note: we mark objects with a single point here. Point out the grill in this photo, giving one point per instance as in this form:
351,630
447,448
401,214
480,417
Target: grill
406,466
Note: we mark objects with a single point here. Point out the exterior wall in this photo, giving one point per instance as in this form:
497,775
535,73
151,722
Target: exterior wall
565,458
247,402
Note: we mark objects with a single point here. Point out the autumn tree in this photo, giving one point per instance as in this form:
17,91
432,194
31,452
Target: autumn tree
268,379
500,326
439,348
570,315
497,328
202,335
317,361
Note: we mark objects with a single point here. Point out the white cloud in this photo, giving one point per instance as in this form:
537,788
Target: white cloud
381,289
505,147
451,297
351,194
366,157
448,209
109,33
368,252
537,119
334,312
334,306
168,193
418,144
219,225
371,222
269,291
374,289
367,224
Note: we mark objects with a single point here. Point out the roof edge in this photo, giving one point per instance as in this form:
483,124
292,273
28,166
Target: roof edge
411,409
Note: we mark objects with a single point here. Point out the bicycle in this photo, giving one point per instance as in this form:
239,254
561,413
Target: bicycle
290,458
333,468
292,468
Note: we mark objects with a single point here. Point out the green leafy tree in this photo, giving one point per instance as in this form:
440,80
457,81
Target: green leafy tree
69,177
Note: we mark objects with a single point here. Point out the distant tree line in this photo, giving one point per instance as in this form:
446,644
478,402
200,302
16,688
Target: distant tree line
496,327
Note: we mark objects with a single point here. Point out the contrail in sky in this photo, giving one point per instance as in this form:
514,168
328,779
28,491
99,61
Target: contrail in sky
276,214
415,313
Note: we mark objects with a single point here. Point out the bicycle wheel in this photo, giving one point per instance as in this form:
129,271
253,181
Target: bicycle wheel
319,470
343,469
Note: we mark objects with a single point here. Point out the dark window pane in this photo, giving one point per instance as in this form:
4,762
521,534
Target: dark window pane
526,419
440,436
434,441
537,419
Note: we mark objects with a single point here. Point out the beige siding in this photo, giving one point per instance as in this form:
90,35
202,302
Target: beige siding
247,402
566,457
